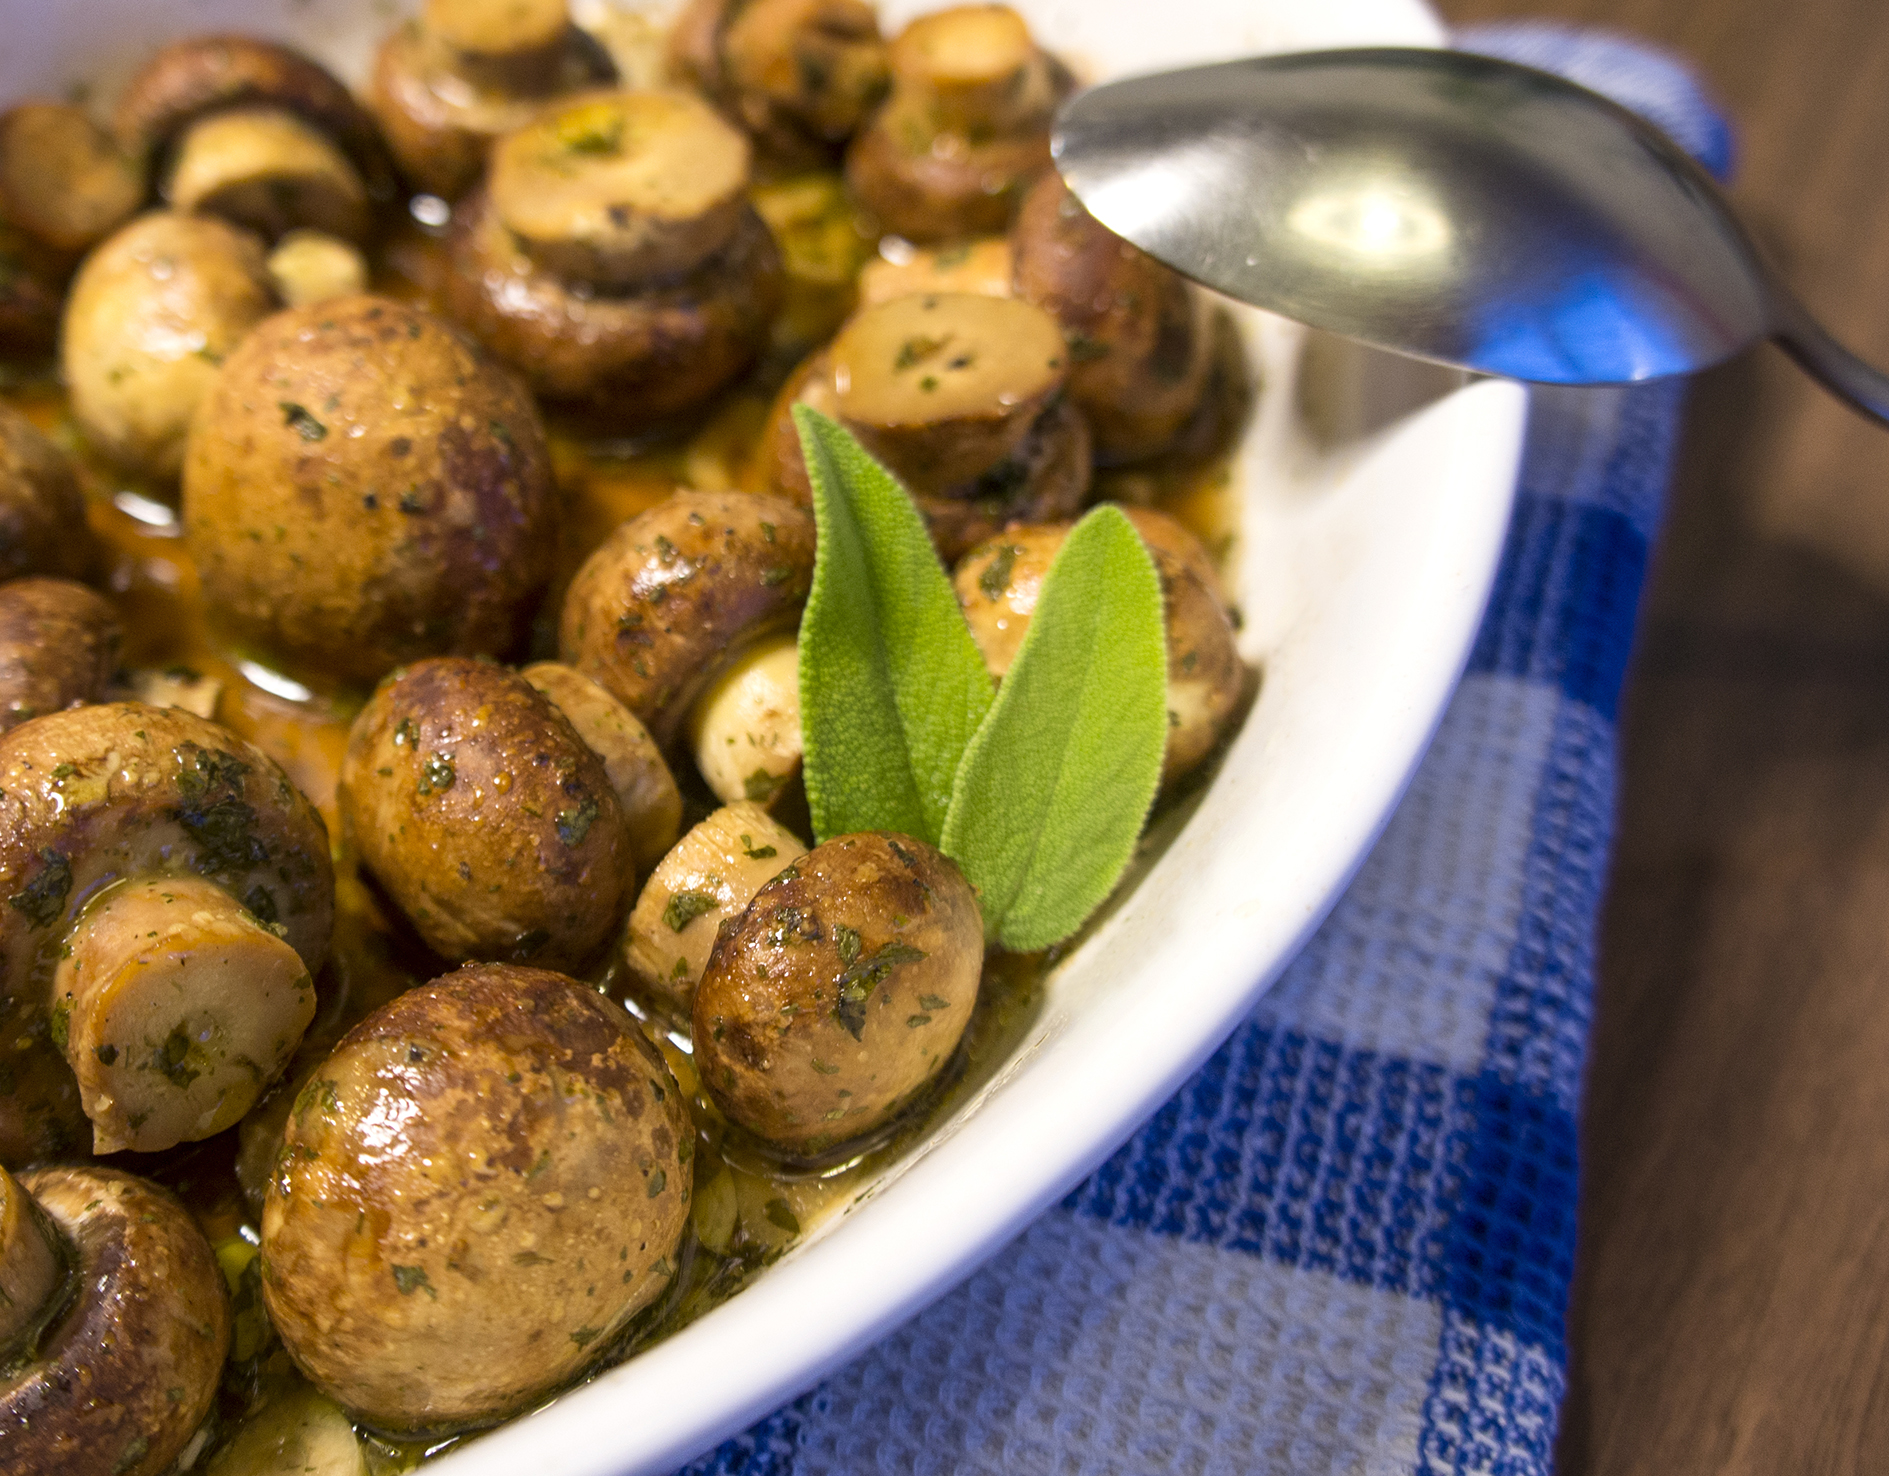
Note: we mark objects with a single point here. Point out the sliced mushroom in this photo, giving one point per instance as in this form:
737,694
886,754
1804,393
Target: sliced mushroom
297,1433
62,178
458,1267
745,729
152,313
652,805
841,992
42,512
95,802
1140,343
619,188
711,874
58,647
998,583
271,171
966,126
942,386
141,1327
310,266
365,487
485,817
677,592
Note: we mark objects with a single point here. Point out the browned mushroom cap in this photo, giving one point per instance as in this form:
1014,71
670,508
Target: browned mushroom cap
62,178
200,75
270,171
121,793
998,583
440,108
800,75
42,512
978,67
58,647
152,313
30,293
1138,336
363,487
631,358
841,992
143,1335
676,593
477,1191
485,817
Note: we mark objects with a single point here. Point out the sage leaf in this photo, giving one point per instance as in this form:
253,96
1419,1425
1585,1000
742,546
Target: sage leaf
1058,779
891,683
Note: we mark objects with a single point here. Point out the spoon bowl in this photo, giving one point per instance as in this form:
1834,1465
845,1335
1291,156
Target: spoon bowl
1440,204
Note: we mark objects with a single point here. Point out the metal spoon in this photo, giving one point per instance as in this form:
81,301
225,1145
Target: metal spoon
1444,205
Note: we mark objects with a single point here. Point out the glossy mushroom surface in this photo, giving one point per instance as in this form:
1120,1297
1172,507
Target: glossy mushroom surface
58,647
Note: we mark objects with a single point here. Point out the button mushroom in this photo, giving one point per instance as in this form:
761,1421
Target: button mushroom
798,75
485,817
132,1327
466,72
840,993
966,126
58,647
676,593
652,805
364,487
152,313
169,897
42,511
1138,334
998,583
712,873
257,133
476,1193
613,256
63,180
745,729
960,394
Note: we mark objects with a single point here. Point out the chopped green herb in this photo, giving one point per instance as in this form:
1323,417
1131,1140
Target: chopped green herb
306,426
854,987
411,1279
685,907
658,1181
780,1214
996,576
436,774
44,897
573,825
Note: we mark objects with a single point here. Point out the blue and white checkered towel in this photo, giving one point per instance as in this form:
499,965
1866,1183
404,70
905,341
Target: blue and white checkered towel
1345,1246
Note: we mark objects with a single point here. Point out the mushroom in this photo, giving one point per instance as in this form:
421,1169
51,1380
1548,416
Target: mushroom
745,729
125,1339
310,266
841,992
998,583
31,278
676,593
960,394
1139,339
477,1191
983,266
966,126
152,313
479,810
798,75
364,487
614,258
466,72
63,180
297,1433
257,133
645,789
58,647
42,512
169,898
711,874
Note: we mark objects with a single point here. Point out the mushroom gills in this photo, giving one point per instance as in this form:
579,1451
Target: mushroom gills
269,170
178,1009
745,729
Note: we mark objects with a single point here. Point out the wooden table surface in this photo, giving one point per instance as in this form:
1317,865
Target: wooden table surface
1731,1305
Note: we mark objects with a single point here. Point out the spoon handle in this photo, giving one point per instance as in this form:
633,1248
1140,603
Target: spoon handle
1828,362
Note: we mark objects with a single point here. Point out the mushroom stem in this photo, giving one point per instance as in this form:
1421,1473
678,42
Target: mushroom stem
33,1265
181,1008
503,45
270,170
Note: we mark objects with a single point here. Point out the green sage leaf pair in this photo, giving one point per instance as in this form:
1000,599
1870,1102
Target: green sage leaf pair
1038,789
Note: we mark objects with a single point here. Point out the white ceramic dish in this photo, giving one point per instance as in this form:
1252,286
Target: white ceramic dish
1362,570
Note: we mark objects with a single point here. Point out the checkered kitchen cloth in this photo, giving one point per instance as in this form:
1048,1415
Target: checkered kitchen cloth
1345,1245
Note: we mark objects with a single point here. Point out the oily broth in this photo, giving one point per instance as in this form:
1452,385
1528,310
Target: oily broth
747,1209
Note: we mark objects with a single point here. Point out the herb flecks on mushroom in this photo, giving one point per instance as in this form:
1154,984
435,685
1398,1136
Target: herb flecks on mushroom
477,1191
